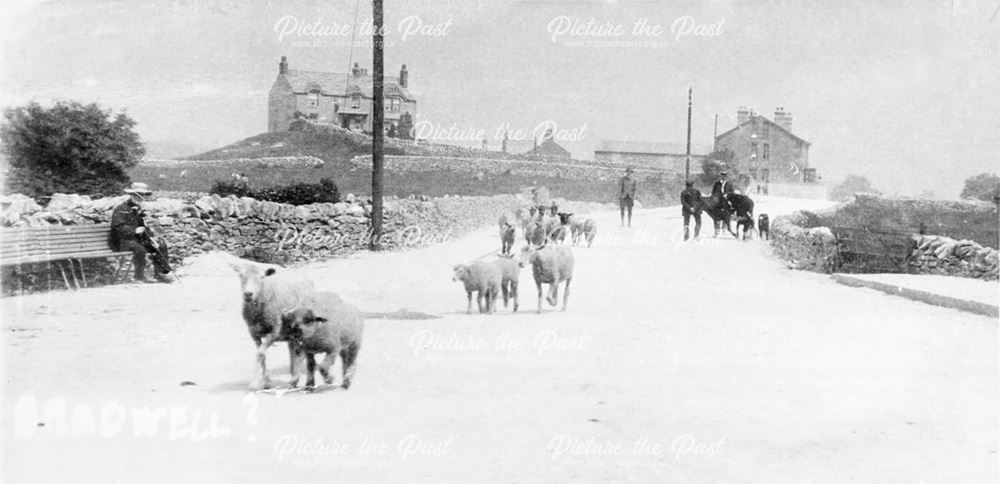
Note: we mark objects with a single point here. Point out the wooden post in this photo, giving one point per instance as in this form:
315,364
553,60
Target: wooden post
378,133
687,162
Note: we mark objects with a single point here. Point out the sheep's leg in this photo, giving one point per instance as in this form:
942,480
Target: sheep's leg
566,294
513,291
348,355
539,284
479,300
324,367
468,307
553,293
296,358
506,292
311,370
261,380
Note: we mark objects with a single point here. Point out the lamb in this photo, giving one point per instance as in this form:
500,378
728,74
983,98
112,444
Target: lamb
483,278
585,228
534,233
510,273
506,232
325,325
550,265
268,291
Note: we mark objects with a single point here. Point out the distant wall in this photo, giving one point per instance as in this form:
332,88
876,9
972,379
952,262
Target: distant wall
978,221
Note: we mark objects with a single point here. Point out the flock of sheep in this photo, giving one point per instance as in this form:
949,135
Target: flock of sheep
544,230
281,306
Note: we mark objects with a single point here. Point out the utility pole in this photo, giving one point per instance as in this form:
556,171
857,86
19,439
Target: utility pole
716,134
687,163
378,133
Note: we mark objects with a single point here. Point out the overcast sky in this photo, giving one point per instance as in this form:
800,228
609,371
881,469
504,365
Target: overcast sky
903,92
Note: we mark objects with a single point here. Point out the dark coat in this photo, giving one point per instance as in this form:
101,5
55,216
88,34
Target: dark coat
691,201
627,188
124,220
717,188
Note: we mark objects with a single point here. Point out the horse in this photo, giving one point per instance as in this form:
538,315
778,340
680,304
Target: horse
742,206
720,210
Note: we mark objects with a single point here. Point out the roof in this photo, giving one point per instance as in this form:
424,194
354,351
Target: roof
650,148
550,148
336,84
772,123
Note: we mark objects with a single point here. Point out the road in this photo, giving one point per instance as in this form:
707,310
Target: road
697,362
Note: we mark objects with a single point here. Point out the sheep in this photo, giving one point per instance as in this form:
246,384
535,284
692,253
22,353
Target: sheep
506,232
483,278
268,291
550,265
510,272
550,223
589,231
325,325
534,233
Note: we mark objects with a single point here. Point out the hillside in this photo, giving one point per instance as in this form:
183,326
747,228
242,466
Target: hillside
336,148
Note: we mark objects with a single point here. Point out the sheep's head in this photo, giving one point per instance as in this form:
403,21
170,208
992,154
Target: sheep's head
460,273
564,218
528,252
251,276
302,323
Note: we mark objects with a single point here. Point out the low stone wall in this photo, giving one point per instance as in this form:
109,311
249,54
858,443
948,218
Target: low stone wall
285,234
803,246
269,162
579,170
946,256
978,221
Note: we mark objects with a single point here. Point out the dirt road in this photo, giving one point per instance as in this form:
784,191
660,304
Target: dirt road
699,362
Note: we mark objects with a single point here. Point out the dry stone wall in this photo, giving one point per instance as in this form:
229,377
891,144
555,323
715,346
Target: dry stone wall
936,254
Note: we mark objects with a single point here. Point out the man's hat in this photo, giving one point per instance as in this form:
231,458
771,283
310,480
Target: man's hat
628,169
689,183
139,189
722,173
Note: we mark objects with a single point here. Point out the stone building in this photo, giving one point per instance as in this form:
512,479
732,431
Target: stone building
335,98
667,156
767,149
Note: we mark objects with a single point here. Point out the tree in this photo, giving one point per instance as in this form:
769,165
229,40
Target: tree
69,148
984,186
851,185
717,162
392,133
405,130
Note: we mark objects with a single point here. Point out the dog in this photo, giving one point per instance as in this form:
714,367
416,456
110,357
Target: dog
764,227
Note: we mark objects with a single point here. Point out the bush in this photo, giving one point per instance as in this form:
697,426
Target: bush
297,194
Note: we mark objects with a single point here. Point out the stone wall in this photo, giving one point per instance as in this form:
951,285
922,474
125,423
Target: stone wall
802,245
576,169
280,233
946,256
978,221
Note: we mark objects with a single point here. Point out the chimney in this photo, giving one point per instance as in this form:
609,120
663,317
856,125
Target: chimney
783,119
403,74
356,71
505,138
742,115
283,66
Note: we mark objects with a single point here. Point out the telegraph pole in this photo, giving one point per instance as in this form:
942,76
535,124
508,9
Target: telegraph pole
687,163
378,133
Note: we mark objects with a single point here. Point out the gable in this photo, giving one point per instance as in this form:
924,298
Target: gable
772,124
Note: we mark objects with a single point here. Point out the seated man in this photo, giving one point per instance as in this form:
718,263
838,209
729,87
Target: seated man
129,232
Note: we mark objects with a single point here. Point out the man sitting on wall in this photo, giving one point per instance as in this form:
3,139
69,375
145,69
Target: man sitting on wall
129,232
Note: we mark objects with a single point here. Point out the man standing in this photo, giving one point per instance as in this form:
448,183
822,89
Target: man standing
129,232
722,185
626,195
691,205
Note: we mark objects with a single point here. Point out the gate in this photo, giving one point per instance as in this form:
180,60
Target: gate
861,250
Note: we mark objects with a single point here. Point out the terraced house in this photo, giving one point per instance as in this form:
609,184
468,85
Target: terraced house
767,149
335,98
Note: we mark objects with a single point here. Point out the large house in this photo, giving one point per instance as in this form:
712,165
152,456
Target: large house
666,156
335,98
766,149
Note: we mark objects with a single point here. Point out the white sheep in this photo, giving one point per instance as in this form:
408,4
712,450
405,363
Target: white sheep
506,232
268,292
534,233
483,278
328,325
581,228
510,273
550,265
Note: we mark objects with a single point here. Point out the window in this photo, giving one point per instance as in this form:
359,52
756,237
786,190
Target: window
753,173
767,151
392,104
355,102
753,150
766,133
313,99
765,174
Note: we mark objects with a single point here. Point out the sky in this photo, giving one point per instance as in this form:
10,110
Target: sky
906,93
